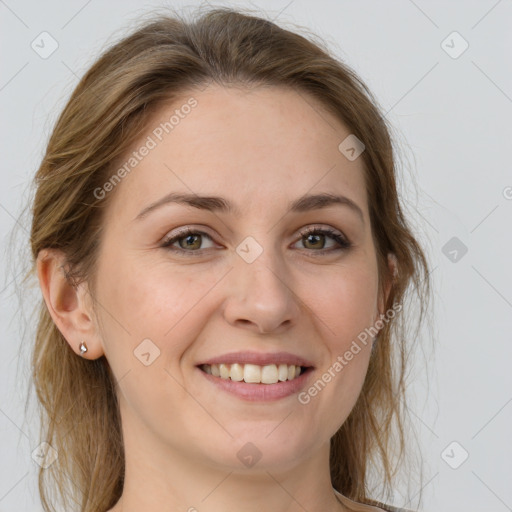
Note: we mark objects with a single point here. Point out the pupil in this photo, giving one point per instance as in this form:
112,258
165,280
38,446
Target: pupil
317,237
189,240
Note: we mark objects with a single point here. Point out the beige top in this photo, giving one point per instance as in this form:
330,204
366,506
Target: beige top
361,507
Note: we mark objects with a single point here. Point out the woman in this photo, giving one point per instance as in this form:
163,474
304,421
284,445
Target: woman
223,258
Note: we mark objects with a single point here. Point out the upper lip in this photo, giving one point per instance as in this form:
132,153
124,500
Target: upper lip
258,358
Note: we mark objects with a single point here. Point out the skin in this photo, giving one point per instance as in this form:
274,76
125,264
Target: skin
260,148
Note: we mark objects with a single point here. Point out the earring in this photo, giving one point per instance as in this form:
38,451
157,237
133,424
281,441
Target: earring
83,348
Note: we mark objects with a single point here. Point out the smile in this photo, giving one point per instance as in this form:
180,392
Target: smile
257,383
253,373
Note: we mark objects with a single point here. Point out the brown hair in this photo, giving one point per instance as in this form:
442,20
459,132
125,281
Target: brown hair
107,111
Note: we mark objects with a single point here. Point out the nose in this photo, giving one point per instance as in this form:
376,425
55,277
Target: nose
261,296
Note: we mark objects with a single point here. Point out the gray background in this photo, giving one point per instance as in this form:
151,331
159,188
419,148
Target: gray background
452,121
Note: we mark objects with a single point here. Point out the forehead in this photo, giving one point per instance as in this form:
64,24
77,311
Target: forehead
258,146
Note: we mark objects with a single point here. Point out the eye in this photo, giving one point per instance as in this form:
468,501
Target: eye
188,241
315,237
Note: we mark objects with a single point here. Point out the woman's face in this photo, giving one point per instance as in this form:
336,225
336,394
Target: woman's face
247,288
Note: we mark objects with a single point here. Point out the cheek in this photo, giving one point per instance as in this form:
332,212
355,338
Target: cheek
345,304
151,302
345,309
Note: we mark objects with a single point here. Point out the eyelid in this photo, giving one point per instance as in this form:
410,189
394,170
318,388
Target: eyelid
175,235
339,237
312,228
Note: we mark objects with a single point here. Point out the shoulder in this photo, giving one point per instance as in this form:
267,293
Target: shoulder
376,506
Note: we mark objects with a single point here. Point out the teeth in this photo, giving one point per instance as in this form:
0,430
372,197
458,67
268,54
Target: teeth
283,372
253,373
224,371
237,372
269,374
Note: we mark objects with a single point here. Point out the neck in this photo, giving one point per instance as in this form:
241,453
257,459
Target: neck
159,479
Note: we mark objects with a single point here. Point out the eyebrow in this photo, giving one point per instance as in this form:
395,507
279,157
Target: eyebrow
219,204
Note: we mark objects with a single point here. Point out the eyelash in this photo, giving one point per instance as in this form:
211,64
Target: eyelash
343,243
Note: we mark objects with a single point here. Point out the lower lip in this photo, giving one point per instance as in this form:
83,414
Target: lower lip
260,392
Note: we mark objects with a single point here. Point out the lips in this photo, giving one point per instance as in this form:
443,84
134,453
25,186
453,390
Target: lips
257,376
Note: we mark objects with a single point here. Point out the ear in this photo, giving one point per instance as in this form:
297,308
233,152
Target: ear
393,269
70,306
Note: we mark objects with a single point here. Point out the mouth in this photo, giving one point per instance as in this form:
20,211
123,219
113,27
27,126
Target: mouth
256,377
254,373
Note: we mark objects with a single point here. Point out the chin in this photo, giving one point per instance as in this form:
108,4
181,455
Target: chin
263,448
